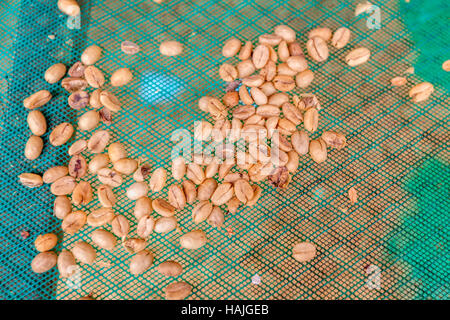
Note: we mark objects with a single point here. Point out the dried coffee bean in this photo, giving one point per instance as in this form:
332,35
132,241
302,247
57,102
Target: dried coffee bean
300,142
170,48
94,76
165,224
286,127
195,173
117,151
73,222
94,100
134,245
304,251
357,56
176,196
82,194
285,32
421,92
73,84
216,218
257,191
126,166
244,112
137,190
334,139
104,239
61,134
202,130
304,78
398,81
201,211
270,39
98,162
110,101
129,47
106,196
297,63
158,180
142,172
121,77
66,264
341,37
260,56
284,70
228,72
206,189
45,242
77,147
246,51
324,33
100,217
37,123
244,95
120,226
245,68
231,99
177,291
145,226
295,49
55,73
77,70
233,205
163,208
142,207
170,268
63,186
308,101
193,240
105,116
311,119
231,47
43,262
37,99
253,81
91,55
178,168
243,190
318,150
292,113
280,178
33,147
69,7
258,96
141,262
293,162
61,207
109,177
222,194
189,191
98,141
284,83
77,166
317,49
84,252
78,100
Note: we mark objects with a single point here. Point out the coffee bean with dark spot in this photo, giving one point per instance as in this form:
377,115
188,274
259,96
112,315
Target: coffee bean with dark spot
78,100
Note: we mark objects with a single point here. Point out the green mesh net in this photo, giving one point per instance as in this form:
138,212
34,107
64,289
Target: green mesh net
397,154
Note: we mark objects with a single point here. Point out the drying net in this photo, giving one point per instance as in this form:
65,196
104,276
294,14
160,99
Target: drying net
397,154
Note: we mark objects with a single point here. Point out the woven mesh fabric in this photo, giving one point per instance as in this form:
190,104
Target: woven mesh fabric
397,155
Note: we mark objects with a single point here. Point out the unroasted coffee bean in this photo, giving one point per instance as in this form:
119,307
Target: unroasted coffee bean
84,252
170,268
231,99
286,127
216,218
77,70
189,191
270,39
268,88
141,262
277,99
398,81
246,50
33,147
37,123
285,32
142,207
91,55
231,47
243,190
82,194
244,95
94,100
300,142
61,134
94,76
66,264
178,168
105,116
55,73
260,56
245,68
165,224
106,196
334,139
284,83
193,240
120,226
293,161
317,49
98,162
280,178
170,48
158,180
222,194
228,72
304,251
43,262
126,166
37,99
201,211
318,150
73,84
244,112
202,130
176,196
177,291
137,190
69,7
163,208
257,191
45,242
121,77
341,37
297,63
145,226
77,166
98,141
89,120
357,56
253,81
421,92
100,217
258,96
142,172
295,49
233,205
61,207
284,70
311,119
117,151
77,147
324,33
206,189
195,173
216,108
292,113
129,47
104,239
308,101
73,222
63,186
134,245
283,51
110,101
78,100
